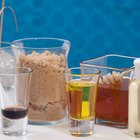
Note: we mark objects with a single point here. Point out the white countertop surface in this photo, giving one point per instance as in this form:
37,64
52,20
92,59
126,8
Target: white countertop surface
60,132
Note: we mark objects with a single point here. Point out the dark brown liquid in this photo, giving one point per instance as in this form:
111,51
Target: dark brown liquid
14,112
112,102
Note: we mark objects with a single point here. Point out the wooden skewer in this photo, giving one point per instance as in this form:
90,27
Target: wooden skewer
114,77
1,22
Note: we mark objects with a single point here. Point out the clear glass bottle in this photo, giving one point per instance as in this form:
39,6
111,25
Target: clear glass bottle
134,101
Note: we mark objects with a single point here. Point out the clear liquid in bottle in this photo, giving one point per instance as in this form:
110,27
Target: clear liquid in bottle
134,102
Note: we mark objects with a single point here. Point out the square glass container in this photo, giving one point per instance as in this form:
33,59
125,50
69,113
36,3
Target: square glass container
112,97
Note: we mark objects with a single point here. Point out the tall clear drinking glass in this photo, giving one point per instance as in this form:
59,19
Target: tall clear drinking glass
7,58
48,59
14,99
81,92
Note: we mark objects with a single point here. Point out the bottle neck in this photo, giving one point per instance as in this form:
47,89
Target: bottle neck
137,73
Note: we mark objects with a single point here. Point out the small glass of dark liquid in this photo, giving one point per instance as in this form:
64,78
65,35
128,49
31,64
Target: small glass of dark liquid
14,87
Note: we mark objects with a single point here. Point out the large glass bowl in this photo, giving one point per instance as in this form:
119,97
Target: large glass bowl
47,57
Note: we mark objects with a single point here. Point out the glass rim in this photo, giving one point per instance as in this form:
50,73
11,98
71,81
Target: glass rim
7,45
107,55
39,38
107,67
97,71
29,70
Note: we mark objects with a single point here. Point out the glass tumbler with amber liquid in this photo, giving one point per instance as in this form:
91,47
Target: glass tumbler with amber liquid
81,93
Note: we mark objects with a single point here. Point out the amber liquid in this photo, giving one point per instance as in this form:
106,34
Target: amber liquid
81,99
112,102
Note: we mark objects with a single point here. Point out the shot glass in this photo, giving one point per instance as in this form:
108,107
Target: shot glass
14,99
81,86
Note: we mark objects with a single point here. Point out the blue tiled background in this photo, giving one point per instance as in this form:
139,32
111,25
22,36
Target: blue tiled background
94,27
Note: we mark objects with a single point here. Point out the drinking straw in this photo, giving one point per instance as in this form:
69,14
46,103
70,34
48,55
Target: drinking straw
1,23
2,15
